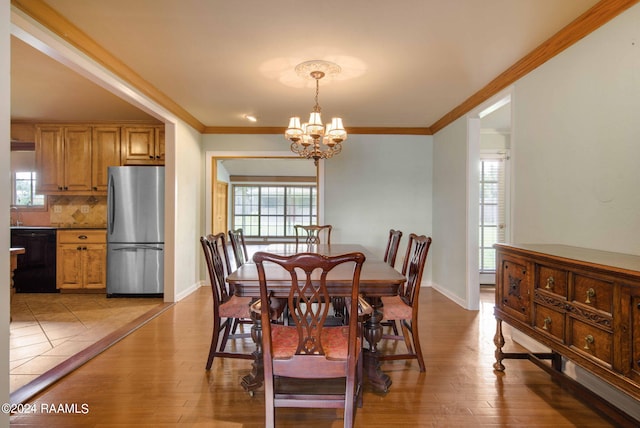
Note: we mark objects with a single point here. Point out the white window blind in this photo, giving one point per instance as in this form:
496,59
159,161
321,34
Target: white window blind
492,208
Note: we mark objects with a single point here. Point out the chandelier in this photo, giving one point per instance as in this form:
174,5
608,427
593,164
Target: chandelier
313,140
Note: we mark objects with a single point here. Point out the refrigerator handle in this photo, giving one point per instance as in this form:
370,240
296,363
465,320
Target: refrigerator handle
112,204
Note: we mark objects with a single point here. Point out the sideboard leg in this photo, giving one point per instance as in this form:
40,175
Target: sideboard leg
498,340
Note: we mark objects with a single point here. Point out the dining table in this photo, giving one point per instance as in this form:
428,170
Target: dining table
377,279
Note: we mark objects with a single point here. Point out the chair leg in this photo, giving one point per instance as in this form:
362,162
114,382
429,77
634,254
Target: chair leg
349,400
359,380
269,406
416,343
214,342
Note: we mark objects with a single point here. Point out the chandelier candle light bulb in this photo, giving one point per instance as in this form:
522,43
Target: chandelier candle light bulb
305,139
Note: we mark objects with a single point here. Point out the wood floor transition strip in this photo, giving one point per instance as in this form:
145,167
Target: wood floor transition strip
51,376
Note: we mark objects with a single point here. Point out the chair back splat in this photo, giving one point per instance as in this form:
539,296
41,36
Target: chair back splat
315,354
413,267
392,247
313,234
239,247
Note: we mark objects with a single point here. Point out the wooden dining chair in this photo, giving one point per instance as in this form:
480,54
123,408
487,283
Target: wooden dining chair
239,247
393,243
312,234
303,358
403,307
226,306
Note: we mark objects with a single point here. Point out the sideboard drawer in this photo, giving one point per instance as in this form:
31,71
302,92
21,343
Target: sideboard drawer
550,322
593,292
552,280
591,341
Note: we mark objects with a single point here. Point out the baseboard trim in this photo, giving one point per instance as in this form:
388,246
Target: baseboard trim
189,290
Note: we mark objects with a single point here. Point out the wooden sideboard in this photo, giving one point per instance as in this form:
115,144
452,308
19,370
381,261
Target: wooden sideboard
583,304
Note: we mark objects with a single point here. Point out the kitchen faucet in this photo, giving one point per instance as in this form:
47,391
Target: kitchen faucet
18,221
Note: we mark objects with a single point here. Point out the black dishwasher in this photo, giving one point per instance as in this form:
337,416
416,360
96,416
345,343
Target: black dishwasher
36,271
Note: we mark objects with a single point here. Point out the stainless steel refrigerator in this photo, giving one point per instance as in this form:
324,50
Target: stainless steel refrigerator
135,231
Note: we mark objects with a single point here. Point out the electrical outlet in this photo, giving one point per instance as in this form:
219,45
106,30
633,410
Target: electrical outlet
57,209
84,209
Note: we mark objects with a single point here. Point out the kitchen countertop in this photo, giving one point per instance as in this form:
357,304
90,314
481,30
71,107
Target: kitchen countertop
58,227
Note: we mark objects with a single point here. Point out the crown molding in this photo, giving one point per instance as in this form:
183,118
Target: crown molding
280,130
601,13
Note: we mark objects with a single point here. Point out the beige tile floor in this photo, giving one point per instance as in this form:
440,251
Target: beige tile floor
47,329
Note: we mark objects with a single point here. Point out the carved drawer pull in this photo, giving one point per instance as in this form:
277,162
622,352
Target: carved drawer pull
588,341
547,323
590,293
550,283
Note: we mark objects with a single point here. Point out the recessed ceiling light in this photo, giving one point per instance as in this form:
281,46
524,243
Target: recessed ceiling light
250,118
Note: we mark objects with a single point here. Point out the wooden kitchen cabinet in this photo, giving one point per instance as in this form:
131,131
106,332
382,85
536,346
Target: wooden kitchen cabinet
72,159
105,152
82,259
62,154
143,145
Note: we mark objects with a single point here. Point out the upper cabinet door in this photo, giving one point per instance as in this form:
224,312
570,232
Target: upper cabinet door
139,146
49,159
105,152
77,153
160,145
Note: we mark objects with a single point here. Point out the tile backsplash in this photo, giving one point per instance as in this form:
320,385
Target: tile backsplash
78,211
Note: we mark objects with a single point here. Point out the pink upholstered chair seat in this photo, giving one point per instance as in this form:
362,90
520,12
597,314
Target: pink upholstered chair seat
394,308
235,307
335,341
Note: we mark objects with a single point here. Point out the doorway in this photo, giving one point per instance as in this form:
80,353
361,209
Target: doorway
222,168
493,210
488,215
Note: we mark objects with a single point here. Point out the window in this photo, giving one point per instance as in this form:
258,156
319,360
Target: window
492,209
24,191
272,211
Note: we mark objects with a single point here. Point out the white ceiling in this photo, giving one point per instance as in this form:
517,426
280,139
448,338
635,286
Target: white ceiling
405,64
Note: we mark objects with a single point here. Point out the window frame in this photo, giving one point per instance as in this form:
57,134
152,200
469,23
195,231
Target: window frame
501,204
312,216
14,194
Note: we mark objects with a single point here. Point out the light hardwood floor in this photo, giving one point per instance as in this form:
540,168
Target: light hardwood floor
155,377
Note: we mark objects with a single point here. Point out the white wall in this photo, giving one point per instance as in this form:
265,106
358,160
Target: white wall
577,140
375,184
189,209
5,202
449,263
